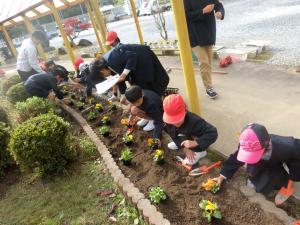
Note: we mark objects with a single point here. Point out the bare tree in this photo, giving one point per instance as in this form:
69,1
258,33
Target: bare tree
160,21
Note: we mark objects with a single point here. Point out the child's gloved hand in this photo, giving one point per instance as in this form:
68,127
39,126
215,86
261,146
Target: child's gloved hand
189,144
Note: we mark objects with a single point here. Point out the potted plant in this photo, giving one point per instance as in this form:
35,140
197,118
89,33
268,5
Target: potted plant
210,185
92,101
91,115
104,131
82,99
105,120
99,107
113,106
126,156
65,90
159,156
157,194
73,96
80,105
153,143
128,139
125,122
211,210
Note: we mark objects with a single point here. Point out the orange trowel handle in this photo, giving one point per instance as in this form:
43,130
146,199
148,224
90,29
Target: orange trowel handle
212,166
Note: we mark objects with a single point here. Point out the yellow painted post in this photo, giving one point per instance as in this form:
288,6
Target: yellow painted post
30,29
100,21
92,18
137,23
62,31
9,42
186,55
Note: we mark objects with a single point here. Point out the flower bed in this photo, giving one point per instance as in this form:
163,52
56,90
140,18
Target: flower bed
183,193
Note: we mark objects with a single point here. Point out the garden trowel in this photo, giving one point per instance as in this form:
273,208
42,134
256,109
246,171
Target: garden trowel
284,193
203,169
180,162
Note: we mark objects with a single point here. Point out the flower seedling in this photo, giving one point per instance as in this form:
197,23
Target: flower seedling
92,101
113,106
65,90
82,99
126,156
159,156
210,185
211,210
91,116
125,122
80,105
128,139
73,96
99,107
157,194
105,120
104,131
153,143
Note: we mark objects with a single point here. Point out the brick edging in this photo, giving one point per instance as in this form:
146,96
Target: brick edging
132,193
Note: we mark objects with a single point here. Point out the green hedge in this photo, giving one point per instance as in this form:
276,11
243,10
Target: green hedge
3,116
32,107
17,93
42,142
8,82
5,158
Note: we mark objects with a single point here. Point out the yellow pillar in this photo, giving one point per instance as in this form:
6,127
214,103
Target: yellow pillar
137,23
30,29
62,31
88,7
100,21
9,42
186,55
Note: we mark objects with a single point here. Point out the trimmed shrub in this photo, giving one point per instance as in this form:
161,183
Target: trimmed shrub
32,107
8,82
42,142
5,158
3,116
17,93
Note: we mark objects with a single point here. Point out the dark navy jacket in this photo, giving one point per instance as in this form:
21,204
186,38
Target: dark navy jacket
152,105
202,27
41,84
146,70
193,128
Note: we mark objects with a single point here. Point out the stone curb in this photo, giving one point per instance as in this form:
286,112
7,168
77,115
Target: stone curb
133,194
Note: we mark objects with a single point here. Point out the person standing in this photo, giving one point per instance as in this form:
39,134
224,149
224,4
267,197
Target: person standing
28,61
201,23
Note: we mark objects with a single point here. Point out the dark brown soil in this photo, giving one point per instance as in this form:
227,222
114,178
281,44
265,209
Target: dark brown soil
184,193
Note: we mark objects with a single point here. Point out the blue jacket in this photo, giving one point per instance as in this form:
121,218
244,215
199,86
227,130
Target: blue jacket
202,27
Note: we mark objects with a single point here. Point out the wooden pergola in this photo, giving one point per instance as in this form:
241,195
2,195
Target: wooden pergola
24,11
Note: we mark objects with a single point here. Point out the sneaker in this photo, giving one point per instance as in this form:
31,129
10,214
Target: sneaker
172,146
113,98
198,156
211,93
142,122
149,126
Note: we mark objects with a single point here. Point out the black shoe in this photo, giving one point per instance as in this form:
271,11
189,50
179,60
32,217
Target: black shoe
211,93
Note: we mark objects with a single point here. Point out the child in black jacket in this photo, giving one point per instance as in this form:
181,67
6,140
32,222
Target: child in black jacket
264,155
187,130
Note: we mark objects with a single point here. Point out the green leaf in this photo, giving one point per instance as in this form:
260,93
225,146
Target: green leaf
217,215
136,221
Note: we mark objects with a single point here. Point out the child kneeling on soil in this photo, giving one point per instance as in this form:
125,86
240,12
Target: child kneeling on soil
146,105
264,155
187,130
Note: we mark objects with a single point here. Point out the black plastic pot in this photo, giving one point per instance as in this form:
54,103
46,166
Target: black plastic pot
113,107
73,96
100,110
154,147
80,108
106,134
128,143
126,163
160,162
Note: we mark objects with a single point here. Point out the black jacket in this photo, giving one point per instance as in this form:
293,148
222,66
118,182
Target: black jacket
202,27
146,70
282,150
152,105
41,84
193,128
